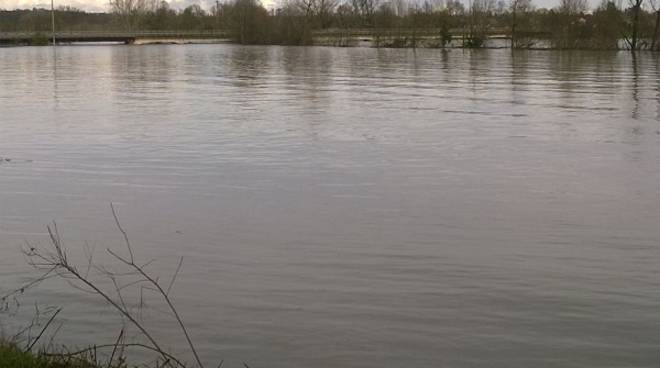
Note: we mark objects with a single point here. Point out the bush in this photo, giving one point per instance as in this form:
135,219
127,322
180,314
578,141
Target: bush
40,39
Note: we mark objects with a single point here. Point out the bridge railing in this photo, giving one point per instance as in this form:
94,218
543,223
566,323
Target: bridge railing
114,34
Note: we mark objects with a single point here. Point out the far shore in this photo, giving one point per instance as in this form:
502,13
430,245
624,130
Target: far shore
362,41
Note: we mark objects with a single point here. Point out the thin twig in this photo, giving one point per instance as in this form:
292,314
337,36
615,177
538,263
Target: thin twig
165,355
28,285
114,350
44,329
178,268
52,336
128,243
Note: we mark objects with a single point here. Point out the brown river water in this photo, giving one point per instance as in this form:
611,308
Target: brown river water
347,207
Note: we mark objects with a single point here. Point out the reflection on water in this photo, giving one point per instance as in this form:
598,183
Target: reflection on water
351,207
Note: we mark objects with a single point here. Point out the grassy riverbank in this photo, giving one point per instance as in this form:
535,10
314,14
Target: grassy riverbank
13,357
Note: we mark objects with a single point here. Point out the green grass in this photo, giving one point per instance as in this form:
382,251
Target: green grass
12,357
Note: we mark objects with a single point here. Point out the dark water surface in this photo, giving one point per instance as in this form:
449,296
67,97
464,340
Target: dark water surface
349,207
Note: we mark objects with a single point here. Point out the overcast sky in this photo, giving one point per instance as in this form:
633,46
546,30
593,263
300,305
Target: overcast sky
101,5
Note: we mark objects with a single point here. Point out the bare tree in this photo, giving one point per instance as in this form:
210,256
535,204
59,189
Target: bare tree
656,28
573,7
518,8
306,7
568,27
248,21
479,25
455,7
636,6
365,9
324,9
610,26
131,12
400,7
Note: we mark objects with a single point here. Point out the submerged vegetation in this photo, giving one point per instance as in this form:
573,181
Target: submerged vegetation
632,24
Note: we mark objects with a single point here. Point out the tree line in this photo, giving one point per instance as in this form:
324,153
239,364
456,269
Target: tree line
630,24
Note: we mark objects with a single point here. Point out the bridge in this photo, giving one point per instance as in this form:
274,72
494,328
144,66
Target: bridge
127,37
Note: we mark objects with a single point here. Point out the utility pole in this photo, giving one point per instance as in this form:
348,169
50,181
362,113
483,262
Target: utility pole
52,17
217,13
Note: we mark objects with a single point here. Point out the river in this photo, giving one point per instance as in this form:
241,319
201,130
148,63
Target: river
347,207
